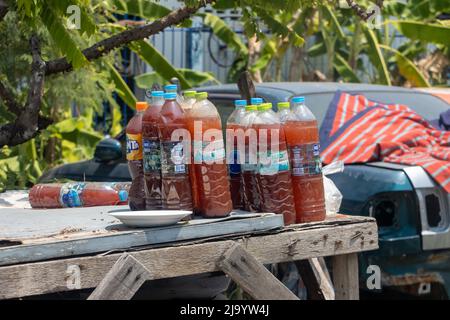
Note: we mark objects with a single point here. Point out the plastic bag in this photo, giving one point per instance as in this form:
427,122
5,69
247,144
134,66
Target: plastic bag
333,197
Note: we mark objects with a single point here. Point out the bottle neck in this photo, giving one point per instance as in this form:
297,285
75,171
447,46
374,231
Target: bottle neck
157,100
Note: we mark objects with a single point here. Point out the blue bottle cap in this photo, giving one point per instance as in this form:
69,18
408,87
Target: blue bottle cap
256,100
170,95
123,195
298,99
240,103
157,93
170,87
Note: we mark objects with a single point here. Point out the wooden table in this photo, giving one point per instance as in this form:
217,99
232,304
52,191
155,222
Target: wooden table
116,260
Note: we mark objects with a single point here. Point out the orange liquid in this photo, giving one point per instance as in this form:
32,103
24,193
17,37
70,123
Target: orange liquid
176,191
275,189
93,194
211,179
251,198
308,189
236,188
152,178
137,192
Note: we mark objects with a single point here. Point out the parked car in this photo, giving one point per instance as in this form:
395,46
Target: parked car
411,210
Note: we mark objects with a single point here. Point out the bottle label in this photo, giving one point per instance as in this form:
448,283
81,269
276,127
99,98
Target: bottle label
173,158
273,163
152,156
235,167
70,194
209,152
305,159
134,146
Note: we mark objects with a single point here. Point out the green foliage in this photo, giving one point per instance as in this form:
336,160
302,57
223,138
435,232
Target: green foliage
426,32
196,78
159,63
222,31
122,88
344,69
376,57
407,68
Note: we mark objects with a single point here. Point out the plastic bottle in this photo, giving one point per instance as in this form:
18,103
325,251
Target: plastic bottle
249,181
284,111
176,191
135,156
273,173
173,88
233,124
152,152
210,168
189,100
78,194
302,136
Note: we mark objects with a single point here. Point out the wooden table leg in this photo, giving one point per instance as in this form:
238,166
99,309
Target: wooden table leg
316,278
123,280
345,276
252,276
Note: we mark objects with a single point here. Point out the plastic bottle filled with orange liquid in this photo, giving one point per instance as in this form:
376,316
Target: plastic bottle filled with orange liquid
273,173
152,151
176,192
210,168
135,156
250,193
302,136
234,167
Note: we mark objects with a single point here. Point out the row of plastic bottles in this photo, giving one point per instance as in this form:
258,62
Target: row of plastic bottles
286,177
281,171
162,176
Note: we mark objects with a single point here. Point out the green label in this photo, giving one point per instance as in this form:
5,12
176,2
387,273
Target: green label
209,151
152,156
273,162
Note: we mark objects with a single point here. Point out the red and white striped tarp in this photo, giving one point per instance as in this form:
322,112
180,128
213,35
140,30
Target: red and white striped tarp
357,130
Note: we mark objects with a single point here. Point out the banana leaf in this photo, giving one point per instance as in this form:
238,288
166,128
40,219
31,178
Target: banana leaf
376,57
426,32
344,69
222,31
196,78
158,62
122,88
407,68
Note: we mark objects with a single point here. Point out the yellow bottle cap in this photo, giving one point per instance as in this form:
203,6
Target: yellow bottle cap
201,95
266,106
283,105
190,94
251,107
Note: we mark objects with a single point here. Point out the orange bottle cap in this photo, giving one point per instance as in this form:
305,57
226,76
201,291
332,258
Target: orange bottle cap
141,105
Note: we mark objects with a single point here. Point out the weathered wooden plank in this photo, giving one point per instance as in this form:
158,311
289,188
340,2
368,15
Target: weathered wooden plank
123,280
58,275
316,278
252,276
345,276
134,238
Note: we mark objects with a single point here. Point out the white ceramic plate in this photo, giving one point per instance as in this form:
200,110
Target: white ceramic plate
149,218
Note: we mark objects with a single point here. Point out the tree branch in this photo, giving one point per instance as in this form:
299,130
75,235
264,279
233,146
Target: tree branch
107,45
361,12
28,122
